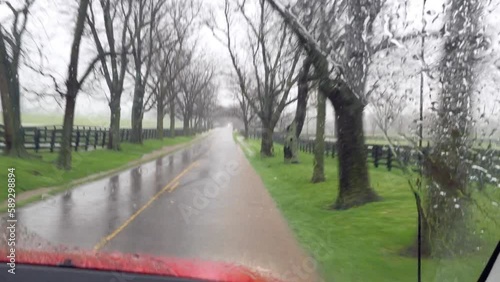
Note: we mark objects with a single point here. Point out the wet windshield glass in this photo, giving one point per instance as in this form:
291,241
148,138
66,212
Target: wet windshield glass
257,140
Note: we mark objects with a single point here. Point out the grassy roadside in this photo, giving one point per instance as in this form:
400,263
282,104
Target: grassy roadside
361,244
35,173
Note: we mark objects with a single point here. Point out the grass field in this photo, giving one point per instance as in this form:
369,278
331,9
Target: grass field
361,244
102,121
36,173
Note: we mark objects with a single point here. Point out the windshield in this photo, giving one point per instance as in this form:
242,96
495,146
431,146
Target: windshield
257,140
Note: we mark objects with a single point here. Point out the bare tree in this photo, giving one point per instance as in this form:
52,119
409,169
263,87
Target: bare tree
172,57
146,17
446,209
73,85
294,130
205,106
114,12
10,91
193,81
246,113
343,84
274,58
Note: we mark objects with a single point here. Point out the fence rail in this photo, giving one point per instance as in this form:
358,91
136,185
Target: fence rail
86,138
487,161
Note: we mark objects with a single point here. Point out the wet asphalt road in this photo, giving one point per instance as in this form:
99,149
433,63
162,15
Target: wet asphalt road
205,202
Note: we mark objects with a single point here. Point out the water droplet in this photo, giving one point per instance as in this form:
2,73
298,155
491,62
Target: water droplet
457,206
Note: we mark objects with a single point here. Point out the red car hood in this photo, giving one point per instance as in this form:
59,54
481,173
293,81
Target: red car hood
142,264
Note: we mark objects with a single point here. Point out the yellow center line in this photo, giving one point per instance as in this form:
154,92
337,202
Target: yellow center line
170,186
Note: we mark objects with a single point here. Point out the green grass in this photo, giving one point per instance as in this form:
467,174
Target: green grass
35,173
360,244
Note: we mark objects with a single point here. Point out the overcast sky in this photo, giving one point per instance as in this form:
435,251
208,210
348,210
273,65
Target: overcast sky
50,30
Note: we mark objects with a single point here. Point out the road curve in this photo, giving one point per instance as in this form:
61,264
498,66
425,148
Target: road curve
204,202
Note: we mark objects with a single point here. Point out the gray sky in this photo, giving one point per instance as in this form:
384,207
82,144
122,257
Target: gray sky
51,26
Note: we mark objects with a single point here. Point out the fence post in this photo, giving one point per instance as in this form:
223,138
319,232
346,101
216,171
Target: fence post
53,140
389,159
87,139
334,145
104,138
375,153
37,140
96,136
77,141
45,135
126,138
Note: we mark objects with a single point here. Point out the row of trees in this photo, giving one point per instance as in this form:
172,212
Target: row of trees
150,43
339,49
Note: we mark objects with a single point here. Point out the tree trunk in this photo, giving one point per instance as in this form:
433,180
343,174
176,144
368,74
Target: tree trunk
294,130
266,146
447,168
159,117
114,125
319,147
185,126
290,148
8,118
446,210
73,86
11,106
302,96
354,188
172,119
64,160
137,114
246,128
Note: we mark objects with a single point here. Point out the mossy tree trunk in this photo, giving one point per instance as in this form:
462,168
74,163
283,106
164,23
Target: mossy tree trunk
447,167
10,52
319,147
295,129
73,85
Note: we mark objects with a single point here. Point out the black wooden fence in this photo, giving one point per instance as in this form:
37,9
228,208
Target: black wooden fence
378,155
486,168
84,137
